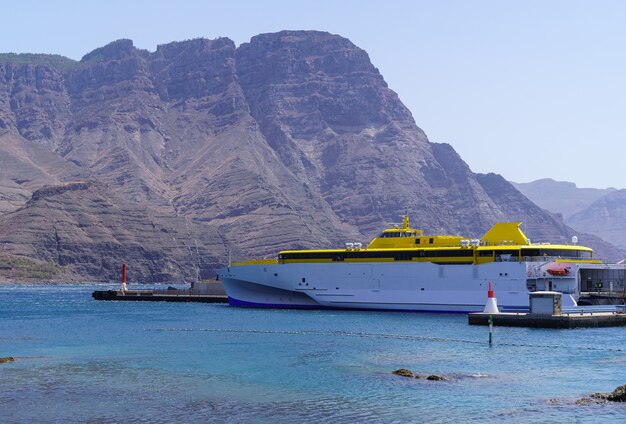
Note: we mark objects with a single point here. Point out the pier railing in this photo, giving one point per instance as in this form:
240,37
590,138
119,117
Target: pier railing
592,309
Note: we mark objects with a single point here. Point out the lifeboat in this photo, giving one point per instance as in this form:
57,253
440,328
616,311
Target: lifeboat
558,268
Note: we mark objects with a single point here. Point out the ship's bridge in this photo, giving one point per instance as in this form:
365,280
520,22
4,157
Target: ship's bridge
407,237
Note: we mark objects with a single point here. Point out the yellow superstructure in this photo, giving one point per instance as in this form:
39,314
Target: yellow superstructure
505,241
506,233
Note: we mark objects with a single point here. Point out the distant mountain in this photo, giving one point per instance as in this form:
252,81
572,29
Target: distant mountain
560,196
179,159
605,217
601,212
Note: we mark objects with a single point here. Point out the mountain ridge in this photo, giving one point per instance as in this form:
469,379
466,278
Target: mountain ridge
293,140
599,211
561,196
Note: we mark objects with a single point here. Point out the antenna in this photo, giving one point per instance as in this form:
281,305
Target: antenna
405,219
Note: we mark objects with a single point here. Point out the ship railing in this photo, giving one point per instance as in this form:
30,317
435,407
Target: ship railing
550,258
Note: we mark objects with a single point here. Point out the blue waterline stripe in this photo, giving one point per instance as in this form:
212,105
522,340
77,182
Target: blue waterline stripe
376,335
244,303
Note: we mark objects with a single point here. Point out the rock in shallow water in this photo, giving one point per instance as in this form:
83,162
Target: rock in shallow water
589,401
599,396
436,378
403,372
618,395
7,359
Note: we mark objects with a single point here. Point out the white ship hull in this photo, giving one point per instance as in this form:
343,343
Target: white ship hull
398,286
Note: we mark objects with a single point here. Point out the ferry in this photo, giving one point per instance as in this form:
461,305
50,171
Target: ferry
405,270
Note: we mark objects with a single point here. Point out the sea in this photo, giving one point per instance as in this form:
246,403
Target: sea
78,360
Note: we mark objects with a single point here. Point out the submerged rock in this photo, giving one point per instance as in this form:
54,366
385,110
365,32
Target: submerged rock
589,401
7,359
599,395
403,372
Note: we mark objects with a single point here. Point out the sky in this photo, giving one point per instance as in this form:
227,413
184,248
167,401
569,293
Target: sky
527,89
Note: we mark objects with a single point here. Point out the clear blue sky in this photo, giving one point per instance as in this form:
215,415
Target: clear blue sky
527,89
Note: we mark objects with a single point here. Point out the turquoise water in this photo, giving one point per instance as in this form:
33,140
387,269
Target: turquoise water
79,360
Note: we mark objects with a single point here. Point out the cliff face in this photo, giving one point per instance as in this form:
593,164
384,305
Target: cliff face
89,233
34,102
331,120
291,140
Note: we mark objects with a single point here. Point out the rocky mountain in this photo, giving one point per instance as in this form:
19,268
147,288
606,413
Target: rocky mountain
588,210
176,159
606,217
66,224
561,196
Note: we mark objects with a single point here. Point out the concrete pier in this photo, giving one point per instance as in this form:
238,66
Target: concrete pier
567,320
149,295
206,292
547,311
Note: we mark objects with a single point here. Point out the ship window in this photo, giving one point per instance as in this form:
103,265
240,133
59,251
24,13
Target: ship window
417,241
511,252
485,253
303,280
430,240
507,255
530,252
369,255
563,253
447,253
398,255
